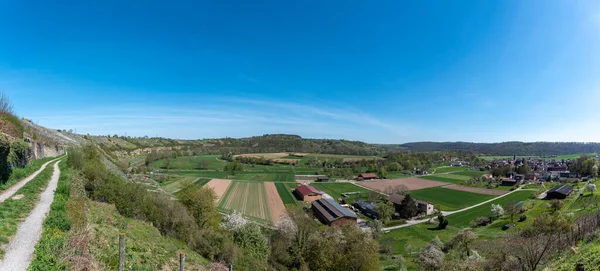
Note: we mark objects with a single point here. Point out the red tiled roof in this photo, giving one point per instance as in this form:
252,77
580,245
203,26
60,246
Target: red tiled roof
368,175
307,189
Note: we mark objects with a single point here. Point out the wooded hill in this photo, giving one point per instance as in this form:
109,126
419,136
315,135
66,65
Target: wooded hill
270,143
504,148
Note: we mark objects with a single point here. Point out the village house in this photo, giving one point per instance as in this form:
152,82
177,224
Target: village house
367,176
420,172
331,213
322,179
531,177
508,182
422,206
368,208
308,193
559,192
519,178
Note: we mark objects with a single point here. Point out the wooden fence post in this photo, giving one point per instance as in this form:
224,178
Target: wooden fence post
122,252
181,260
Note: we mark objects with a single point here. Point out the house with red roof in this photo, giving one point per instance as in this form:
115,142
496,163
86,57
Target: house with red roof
308,193
367,176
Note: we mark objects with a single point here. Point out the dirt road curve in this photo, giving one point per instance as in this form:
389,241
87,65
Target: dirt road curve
21,248
13,189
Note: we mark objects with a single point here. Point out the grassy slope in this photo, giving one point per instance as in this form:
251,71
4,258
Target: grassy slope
146,248
588,254
449,199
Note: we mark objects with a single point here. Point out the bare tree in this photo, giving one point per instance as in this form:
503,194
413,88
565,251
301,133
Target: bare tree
6,107
398,189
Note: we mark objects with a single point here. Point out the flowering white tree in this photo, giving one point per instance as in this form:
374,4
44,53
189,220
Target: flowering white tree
286,226
497,210
591,187
431,258
233,221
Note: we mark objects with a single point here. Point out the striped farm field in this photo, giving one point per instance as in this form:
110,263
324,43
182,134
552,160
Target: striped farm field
248,198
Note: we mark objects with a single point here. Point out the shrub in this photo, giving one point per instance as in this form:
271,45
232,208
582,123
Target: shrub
443,222
483,221
4,165
19,153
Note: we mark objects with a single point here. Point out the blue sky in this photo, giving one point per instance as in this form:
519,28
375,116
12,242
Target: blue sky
376,71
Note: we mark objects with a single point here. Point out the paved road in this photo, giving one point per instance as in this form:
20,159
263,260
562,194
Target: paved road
21,248
13,189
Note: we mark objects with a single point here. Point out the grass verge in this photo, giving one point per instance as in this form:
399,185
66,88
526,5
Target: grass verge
13,211
47,255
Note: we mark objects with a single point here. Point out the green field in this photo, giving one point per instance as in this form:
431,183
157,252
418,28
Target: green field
175,182
442,178
213,168
285,193
202,181
462,219
260,176
336,189
409,241
192,162
248,198
446,169
449,199
470,174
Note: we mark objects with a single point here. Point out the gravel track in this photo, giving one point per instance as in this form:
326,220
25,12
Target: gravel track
21,248
13,189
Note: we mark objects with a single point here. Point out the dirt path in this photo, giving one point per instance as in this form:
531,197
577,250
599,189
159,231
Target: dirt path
276,206
219,186
21,248
13,189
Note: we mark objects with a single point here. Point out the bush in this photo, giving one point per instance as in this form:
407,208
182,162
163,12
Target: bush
19,153
443,222
483,221
4,165
75,158
170,217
